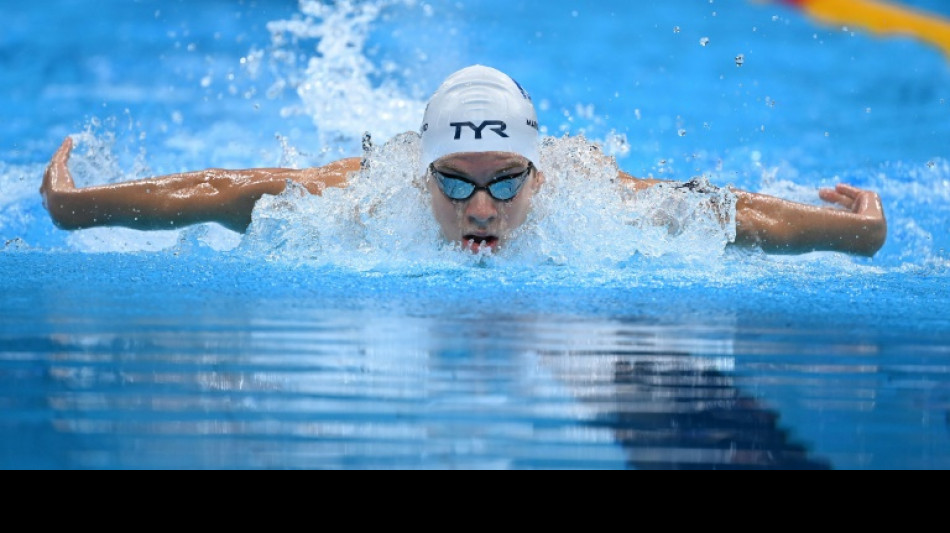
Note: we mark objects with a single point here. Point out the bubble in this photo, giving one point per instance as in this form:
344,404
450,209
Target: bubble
704,41
740,60
617,144
676,29
682,133
868,110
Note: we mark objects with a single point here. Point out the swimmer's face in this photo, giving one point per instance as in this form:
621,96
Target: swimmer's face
482,220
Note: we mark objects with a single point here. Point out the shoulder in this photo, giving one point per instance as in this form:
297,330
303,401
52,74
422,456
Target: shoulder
637,184
347,166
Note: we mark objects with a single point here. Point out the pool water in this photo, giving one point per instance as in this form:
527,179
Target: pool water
334,336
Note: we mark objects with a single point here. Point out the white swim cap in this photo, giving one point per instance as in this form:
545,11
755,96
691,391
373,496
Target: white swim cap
479,109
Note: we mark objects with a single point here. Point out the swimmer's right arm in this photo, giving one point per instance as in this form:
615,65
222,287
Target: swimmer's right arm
226,197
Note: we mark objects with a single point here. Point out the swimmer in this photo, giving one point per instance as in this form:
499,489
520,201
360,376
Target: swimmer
480,157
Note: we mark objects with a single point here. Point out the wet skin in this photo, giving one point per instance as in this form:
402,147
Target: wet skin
482,221
854,224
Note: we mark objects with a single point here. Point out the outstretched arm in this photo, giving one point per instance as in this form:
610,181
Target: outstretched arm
223,196
856,225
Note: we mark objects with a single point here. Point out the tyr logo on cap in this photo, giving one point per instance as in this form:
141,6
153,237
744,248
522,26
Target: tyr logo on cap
498,127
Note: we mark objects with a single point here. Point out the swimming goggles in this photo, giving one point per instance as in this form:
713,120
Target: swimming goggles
459,189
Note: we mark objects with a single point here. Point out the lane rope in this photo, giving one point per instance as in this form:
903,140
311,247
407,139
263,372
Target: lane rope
881,18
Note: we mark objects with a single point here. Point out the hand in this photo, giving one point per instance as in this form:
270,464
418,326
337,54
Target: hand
867,206
859,202
58,178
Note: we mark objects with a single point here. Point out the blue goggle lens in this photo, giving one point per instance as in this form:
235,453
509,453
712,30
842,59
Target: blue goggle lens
503,189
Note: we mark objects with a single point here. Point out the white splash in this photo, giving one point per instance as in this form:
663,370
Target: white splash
380,219
20,185
583,217
335,85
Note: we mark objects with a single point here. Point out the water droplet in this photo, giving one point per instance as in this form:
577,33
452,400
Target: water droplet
575,14
682,133
868,111
704,41
638,114
827,134
931,164
775,18
676,29
740,60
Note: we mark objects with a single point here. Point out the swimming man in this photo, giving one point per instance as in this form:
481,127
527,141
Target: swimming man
480,156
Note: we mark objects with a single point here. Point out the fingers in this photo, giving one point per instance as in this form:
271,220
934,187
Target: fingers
848,190
843,194
57,176
858,201
835,197
62,155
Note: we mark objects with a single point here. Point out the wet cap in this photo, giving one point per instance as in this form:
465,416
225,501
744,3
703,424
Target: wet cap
480,109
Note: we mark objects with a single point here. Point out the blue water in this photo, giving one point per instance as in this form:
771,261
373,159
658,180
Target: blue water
308,344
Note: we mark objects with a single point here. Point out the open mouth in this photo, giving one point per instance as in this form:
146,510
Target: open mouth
476,243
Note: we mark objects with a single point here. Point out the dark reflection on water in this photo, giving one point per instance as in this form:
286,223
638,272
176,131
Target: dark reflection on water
714,426
671,409
350,390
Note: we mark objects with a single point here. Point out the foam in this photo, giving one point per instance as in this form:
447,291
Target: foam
582,218
335,86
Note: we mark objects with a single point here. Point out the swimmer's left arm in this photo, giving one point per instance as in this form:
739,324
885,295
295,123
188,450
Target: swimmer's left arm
637,184
856,225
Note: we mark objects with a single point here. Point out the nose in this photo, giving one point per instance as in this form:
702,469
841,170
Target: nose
481,210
